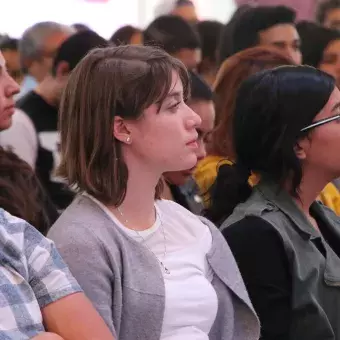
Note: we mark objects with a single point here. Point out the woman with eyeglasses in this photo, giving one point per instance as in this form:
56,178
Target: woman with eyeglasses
287,244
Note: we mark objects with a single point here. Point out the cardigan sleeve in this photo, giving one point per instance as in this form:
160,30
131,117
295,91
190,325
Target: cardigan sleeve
87,260
260,255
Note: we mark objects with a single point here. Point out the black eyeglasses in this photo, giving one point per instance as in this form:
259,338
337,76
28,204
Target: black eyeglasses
320,122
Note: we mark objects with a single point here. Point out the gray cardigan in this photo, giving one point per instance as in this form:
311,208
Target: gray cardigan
125,283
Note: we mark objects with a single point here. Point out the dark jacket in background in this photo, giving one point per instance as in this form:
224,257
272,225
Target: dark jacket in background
291,270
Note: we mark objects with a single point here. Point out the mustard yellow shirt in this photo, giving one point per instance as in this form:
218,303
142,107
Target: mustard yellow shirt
206,173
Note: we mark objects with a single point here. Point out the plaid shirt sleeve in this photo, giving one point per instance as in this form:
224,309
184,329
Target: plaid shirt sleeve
32,275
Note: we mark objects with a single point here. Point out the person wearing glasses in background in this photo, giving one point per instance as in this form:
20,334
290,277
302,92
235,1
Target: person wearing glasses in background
286,243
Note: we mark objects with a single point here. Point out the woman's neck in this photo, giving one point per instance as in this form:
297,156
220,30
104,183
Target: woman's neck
137,211
310,188
166,194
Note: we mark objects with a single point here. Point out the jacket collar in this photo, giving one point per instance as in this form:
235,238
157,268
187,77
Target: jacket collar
227,271
284,202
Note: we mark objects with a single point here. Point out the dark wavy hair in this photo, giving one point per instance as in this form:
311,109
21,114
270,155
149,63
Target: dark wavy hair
21,193
285,100
314,41
254,20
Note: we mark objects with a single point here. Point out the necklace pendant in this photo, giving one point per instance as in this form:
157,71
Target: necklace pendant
166,270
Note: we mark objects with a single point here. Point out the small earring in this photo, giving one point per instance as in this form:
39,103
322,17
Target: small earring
128,139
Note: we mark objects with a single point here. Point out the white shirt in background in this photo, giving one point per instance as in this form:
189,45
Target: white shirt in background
21,138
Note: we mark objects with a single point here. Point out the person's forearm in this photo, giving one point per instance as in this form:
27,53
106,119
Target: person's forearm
47,336
74,318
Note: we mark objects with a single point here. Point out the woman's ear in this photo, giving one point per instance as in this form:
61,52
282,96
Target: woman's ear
121,130
301,148
62,69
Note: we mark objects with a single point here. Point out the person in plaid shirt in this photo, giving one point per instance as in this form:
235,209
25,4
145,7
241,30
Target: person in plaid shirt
33,279
39,298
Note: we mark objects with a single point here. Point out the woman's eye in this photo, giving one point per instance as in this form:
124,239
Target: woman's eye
174,107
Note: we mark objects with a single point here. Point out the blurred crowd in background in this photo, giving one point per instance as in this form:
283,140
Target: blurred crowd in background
218,57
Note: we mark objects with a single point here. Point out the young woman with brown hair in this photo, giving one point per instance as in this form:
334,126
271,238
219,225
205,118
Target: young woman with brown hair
152,269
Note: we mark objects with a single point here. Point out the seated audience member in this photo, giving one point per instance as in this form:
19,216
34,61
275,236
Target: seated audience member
232,73
209,32
22,195
328,14
41,107
176,37
265,26
305,9
320,48
152,269
37,48
183,8
225,47
9,50
180,186
127,35
38,292
287,244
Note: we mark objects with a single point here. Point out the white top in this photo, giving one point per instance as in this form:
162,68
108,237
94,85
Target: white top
190,299
21,138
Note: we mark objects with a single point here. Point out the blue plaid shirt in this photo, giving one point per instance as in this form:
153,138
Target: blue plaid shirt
32,275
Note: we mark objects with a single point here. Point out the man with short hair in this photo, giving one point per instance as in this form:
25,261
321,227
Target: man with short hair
305,9
328,14
40,106
37,48
266,26
177,37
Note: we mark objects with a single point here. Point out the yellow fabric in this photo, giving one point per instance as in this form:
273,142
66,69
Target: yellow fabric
206,173
330,197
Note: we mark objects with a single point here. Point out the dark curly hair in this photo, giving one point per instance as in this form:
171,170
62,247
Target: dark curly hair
21,193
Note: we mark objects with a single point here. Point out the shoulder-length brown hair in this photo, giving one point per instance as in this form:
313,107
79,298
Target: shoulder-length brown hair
233,71
111,81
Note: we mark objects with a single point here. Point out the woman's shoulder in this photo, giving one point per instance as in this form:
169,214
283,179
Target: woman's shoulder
82,213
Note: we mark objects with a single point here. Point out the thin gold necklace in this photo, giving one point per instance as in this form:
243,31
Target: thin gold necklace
166,270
